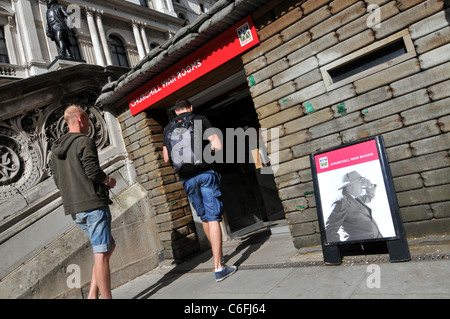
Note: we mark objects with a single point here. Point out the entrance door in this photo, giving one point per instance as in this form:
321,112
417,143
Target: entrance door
250,198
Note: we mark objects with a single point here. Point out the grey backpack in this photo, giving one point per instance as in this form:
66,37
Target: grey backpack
182,137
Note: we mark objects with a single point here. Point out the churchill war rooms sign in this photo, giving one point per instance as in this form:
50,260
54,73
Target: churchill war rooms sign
226,46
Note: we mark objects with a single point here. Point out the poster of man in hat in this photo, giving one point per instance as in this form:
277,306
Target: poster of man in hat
355,205
351,217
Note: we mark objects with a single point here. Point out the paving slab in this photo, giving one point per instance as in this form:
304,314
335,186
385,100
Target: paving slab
270,267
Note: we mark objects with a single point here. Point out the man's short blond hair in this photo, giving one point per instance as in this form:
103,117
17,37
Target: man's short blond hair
71,112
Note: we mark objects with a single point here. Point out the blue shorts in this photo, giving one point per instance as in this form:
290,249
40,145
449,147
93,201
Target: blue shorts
96,224
205,196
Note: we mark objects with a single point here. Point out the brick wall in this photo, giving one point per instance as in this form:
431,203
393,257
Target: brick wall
408,103
143,136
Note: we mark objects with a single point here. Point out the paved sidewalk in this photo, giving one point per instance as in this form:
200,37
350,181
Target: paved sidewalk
270,267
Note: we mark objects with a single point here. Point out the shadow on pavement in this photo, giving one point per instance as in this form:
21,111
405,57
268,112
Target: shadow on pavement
249,244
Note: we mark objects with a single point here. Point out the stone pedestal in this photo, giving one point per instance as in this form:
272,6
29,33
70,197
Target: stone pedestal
60,63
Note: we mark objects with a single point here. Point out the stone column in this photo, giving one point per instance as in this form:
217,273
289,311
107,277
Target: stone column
103,39
138,39
165,6
95,38
32,48
144,37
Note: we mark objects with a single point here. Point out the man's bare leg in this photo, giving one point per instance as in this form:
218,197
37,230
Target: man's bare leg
101,276
214,235
93,290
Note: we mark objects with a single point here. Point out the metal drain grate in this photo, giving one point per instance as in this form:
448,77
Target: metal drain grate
431,257
350,261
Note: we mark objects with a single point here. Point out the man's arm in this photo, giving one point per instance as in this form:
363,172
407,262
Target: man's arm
63,10
210,133
216,144
53,170
369,191
91,165
166,155
110,182
90,162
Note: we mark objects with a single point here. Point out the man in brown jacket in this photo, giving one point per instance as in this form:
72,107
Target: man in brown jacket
84,190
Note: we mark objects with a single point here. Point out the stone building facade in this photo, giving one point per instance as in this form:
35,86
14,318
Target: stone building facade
291,80
300,79
39,245
404,101
101,32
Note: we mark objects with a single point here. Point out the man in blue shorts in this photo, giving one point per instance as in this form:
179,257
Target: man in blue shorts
84,189
202,184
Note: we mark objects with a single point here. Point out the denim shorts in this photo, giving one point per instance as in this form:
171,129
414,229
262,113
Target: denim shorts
96,224
205,196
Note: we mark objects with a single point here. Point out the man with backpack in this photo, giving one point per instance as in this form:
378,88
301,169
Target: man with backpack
183,148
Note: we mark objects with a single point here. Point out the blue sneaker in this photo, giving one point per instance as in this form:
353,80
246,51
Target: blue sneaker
225,273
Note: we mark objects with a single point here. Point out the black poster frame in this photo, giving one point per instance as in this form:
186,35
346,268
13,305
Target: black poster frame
394,243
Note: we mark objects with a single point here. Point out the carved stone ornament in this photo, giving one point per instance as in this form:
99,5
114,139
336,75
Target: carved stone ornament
25,144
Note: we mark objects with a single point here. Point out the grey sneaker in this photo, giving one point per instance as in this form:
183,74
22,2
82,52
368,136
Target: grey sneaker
225,273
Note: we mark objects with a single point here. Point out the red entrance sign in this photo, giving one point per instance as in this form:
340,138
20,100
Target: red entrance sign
229,44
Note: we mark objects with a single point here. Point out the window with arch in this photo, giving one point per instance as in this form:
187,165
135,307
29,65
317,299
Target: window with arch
3,51
118,51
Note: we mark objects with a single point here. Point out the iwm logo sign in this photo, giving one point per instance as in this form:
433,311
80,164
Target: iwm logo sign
323,161
244,34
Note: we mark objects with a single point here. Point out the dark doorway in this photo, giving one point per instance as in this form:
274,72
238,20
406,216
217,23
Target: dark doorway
250,198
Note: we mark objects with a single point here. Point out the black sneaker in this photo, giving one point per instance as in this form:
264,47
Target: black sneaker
225,273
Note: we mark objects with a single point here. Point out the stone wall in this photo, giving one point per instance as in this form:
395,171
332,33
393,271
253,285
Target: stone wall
143,137
39,245
63,268
408,103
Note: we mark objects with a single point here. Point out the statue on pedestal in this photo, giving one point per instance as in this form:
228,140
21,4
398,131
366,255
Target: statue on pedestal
57,28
